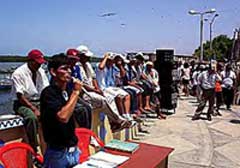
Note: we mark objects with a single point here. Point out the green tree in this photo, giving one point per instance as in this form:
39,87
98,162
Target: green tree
222,46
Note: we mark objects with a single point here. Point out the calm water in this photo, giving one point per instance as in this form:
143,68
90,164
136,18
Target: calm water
6,96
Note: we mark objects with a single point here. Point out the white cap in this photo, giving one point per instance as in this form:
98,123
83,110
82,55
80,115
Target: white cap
111,55
122,57
84,50
202,67
139,54
149,63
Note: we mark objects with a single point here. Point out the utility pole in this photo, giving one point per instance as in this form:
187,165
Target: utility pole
211,24
193,12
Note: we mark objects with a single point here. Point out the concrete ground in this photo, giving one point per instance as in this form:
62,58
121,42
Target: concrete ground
201,143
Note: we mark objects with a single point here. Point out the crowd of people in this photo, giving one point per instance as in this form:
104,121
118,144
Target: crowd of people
214,83
124,88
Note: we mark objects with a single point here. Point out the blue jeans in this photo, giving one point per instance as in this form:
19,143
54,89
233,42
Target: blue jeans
61,158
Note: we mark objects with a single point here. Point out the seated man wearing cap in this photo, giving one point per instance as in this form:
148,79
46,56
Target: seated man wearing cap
28,82
83,110
57,106
142,81
92,93
107,78
121,79
153,78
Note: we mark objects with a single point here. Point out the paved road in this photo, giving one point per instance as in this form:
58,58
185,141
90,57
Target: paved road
201,143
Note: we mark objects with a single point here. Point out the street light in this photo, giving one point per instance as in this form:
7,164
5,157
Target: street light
193,12
210,24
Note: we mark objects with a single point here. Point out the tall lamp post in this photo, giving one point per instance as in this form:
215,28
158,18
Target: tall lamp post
193,12
210,24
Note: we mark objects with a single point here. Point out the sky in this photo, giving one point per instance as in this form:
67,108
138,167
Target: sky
53,26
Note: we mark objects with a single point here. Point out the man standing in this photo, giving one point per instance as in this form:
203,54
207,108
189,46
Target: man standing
57,105
228,82
207,80
28,82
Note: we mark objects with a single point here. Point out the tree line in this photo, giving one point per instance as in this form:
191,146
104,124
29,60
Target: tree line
221,49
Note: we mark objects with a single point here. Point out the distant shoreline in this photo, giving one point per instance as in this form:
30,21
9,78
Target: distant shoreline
5,58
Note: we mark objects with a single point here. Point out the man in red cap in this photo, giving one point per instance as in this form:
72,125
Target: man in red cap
28,82
82,111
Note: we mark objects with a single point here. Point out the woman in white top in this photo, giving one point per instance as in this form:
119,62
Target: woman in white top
186,78
228,81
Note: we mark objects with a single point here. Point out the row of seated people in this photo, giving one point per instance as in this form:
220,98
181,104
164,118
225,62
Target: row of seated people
120,88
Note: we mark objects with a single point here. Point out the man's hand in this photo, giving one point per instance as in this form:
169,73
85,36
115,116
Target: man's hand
77,85
35,111
107,55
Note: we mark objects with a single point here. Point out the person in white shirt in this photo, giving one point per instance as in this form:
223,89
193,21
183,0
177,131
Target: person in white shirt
107,79
153,77
28,82
207,80
186,78
229,79
92,92
196,87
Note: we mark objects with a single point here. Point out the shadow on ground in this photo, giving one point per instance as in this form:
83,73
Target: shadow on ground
235,121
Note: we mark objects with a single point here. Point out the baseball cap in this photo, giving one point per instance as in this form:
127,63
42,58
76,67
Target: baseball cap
36,55
202,67
140,56
73,53
149,63
122,57
84,50
111,55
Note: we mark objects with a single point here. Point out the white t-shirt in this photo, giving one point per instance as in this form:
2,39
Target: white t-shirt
87,74
208,81
101,77
228,79
154,79
195,77
23,83
186,73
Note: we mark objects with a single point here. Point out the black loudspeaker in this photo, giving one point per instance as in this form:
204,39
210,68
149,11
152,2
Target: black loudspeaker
164,65
165,55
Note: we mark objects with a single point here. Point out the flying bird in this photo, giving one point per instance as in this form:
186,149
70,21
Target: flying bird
108,14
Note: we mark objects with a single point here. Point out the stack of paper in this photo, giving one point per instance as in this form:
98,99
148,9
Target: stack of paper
103,160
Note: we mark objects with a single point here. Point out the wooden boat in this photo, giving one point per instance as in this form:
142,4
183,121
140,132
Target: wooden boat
5,84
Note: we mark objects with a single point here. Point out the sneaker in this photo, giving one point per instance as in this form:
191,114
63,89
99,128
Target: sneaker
144,131
195,117
127,117
209,118
133,123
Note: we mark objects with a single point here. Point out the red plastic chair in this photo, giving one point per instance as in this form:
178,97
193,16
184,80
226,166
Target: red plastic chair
16,155
84,138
